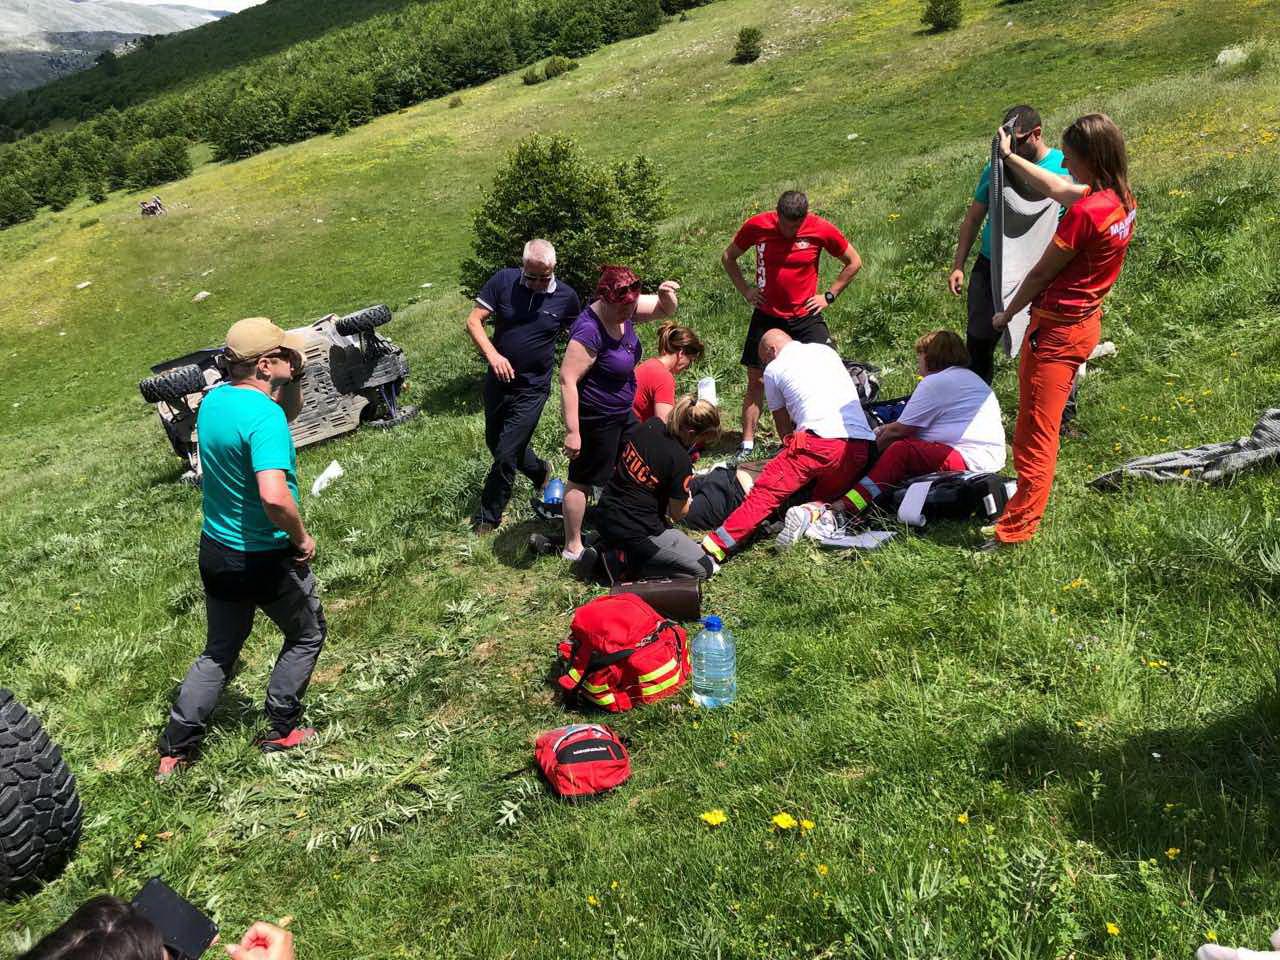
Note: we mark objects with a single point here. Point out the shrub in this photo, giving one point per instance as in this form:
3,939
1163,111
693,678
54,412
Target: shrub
594,213
557,65
747,49
254,122
98,193
455,102
154,162
940,15
16,205
533,75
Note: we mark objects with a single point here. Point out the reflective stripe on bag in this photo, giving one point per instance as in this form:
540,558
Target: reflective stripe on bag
659,687
654,674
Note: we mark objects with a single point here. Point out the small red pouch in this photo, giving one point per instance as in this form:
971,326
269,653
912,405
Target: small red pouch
582,759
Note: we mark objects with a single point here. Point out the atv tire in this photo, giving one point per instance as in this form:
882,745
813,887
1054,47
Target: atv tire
172,384
362,321
39,809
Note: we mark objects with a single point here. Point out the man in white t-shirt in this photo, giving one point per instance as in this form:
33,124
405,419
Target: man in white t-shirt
951,422
826,440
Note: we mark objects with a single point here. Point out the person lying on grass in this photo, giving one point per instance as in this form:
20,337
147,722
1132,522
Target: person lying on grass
826,440
649,491
951,422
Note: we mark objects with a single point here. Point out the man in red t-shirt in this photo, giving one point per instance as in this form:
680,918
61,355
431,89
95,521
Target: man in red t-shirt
788,243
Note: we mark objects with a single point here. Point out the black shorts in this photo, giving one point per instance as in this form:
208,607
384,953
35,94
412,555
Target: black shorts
601,442
810,329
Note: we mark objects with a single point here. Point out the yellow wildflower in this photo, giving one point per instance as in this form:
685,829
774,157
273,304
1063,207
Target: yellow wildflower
806,824
1211,936
823,869
784,821
592,901
713,818
962,819
1172,853
1113,929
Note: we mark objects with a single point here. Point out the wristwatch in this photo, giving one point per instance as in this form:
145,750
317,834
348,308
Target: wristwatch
830,297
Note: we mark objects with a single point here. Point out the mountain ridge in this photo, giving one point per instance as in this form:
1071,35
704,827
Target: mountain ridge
41,40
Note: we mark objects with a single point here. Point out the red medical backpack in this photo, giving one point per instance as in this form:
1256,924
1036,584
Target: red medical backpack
582,759
620,652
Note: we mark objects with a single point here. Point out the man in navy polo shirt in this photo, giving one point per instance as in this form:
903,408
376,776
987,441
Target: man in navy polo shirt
529,309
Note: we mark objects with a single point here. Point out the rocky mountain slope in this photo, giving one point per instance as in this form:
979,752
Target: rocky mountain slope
44,39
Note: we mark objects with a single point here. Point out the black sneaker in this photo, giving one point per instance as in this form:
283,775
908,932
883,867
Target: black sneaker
584,568
540,545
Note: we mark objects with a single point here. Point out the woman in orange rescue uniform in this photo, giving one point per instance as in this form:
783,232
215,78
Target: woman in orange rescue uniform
1065,290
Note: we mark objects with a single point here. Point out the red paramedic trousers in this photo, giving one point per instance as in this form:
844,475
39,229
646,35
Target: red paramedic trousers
904,458
831,465
1051,354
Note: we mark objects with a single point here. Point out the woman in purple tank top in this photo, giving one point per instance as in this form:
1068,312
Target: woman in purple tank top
598,385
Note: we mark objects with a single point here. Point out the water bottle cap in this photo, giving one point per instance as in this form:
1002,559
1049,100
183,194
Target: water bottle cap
713,623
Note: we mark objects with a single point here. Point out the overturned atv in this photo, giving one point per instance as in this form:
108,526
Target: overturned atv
353,375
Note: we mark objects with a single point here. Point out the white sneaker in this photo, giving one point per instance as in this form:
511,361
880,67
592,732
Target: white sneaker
797,521
825,525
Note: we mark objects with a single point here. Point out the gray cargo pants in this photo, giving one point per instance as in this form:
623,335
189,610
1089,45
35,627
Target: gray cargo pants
236,584
669,554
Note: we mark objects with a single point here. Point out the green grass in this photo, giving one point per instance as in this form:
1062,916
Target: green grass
1089,703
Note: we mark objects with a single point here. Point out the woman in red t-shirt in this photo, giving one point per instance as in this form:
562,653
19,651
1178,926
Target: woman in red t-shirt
1065,290
678,349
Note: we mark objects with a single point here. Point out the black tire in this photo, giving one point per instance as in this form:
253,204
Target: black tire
172,384
362,321
39,810
406,414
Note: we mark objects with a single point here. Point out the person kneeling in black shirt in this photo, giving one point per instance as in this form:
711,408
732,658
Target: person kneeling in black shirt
649,491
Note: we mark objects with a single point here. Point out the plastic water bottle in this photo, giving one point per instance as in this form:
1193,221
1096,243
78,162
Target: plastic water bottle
554,492
715,682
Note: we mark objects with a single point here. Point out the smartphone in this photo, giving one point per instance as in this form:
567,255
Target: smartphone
186,931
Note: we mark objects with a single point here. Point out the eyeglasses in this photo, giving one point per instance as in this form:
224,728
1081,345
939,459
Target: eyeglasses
532,278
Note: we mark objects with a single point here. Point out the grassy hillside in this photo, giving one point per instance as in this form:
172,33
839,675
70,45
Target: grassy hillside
999,757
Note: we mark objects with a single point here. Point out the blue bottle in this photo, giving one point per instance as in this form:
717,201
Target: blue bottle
715,681
554,492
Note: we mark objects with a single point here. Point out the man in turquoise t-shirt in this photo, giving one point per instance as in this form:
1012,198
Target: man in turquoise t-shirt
1028,142
254,550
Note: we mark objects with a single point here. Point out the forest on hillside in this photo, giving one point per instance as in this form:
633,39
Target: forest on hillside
325,84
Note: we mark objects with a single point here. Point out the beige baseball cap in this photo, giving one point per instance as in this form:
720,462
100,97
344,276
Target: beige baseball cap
250,338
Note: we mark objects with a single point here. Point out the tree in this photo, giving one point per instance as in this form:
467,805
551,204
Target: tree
594,213
747,49
940,15
153,162
16,205
254,123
